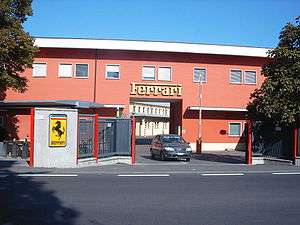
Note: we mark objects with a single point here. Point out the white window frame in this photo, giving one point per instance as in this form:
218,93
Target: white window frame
233,135
155,71
112,78
244,80
88,70
66,63
171,73
45,63
1,121
201,68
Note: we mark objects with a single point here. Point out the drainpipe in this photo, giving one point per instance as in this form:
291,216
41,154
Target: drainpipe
95,74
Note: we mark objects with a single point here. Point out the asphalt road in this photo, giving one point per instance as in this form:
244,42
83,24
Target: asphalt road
104,199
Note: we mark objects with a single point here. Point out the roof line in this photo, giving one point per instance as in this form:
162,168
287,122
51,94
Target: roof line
146,40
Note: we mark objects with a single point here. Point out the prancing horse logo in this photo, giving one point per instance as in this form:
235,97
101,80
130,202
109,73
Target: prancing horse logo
57,128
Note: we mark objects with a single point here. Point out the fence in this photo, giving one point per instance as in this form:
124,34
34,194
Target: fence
271,140
85,136
16,149
113,137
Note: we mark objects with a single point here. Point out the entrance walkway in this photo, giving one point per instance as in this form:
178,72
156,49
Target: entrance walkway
227,157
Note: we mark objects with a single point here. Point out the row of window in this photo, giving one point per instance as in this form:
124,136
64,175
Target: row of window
80,70
149,110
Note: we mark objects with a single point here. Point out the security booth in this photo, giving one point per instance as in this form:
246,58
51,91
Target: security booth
58,134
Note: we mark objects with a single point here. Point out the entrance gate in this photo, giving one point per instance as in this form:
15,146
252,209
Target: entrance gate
103,137
114,137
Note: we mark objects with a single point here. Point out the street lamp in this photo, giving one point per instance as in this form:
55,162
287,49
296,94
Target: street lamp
200,96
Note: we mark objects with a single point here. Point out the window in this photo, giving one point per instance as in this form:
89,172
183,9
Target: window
139,109
148,73
39,69
156,111
164,73
65,70
1,121
112,71
151,110
199,74
250,77
235,129
156,125
236,76
82,70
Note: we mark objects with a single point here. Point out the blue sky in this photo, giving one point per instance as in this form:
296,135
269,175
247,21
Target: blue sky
233,22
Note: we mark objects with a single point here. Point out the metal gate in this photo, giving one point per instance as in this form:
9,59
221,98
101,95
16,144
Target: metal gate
271,140
85,136
114,137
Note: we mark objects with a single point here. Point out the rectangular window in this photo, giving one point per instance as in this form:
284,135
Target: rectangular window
250,77
235,129
39,70
112,71
65,70
82,70
199,74
164,73
148,73
236,76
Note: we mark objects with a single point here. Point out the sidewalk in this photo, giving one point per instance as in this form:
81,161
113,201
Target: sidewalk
13,166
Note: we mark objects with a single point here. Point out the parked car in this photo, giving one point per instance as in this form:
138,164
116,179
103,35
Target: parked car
170,146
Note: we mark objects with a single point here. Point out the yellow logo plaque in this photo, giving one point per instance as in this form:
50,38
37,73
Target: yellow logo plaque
58,130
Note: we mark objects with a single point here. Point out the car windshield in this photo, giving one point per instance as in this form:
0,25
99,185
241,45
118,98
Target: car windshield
172,139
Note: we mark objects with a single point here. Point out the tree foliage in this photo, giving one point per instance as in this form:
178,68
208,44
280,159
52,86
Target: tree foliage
278,99
17,48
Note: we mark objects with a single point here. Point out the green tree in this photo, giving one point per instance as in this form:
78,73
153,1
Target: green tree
17,48
278,99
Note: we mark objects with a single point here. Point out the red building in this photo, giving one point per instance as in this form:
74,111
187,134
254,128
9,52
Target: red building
116,72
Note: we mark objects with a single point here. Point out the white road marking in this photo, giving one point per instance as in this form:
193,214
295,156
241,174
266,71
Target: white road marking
222,174
46,175
287,173
143,175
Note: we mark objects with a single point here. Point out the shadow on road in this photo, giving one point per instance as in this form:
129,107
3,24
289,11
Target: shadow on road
24,200
223,158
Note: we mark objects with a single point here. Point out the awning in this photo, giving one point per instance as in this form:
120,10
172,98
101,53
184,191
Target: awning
57,103
229,109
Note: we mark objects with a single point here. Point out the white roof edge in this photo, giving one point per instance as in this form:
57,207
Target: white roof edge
151,46
113,106
217,109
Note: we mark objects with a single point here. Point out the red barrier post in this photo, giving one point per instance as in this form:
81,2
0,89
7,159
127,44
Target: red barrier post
133,141
296,141
31,146
96,137
249,144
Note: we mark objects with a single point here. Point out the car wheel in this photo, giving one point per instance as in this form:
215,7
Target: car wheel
187,159
162,156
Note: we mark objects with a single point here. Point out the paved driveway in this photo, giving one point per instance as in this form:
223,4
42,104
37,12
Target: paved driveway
231,157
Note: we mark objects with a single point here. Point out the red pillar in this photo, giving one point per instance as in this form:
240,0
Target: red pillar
296,141
31,146
249,144
133,141
96,137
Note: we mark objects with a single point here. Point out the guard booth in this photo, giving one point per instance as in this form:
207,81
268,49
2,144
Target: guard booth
58,136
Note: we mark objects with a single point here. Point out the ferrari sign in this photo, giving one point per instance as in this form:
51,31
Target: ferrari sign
58,131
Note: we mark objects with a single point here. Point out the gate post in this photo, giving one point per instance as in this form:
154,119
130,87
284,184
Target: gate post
96,137
133,140
31,146
296,141
249,143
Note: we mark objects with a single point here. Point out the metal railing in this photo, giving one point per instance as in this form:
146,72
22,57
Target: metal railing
16,149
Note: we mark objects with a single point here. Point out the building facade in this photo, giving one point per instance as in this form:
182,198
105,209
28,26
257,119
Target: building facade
207,86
